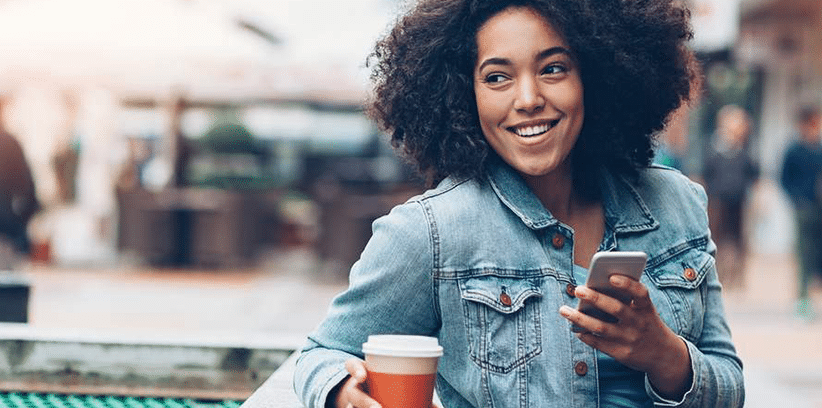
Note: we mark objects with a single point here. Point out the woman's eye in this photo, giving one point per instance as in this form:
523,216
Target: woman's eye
553,70
495,78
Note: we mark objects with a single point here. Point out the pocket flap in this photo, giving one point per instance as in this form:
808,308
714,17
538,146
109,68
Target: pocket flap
685,271
503,294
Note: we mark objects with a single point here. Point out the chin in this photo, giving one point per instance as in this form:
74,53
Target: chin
536,172
538,169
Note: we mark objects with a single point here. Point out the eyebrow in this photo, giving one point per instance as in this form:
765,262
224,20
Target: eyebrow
542,55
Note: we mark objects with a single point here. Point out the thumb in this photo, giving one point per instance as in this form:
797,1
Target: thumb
356,368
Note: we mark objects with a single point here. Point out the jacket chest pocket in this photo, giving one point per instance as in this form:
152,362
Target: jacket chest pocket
681,286
502,321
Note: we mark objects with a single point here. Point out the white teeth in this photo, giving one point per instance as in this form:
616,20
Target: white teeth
531,130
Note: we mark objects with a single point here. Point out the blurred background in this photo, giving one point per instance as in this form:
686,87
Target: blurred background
203,169
189,133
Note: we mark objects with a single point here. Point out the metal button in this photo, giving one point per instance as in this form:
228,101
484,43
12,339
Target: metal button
558,241
570,289
581,368
690,274
505,299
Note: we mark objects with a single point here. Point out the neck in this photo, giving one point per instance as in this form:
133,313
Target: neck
556,191
585,216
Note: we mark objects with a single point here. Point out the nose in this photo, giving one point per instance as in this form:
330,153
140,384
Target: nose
529,97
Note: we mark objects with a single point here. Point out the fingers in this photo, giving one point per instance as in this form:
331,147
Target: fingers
591,339
585,323
358,399
638,291
351,393
356,368
602,314
636,339
600,301
352,396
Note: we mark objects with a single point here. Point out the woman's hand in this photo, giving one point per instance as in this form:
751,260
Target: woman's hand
351,393
639,339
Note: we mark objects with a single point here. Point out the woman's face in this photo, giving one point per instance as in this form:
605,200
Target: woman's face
528,90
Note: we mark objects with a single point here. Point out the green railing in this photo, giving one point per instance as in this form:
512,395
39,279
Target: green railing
40,400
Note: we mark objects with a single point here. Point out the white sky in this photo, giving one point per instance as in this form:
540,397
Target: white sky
715,22
189,41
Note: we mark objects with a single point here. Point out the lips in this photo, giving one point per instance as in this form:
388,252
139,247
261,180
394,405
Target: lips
535,129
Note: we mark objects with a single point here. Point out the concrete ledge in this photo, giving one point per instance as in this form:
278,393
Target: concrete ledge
195,366
277,391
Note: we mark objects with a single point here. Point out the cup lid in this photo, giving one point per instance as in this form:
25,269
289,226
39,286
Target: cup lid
402,346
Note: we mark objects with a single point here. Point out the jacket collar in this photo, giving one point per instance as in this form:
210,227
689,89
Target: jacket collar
625,211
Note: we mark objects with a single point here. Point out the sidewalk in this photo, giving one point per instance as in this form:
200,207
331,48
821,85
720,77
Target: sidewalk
285,298
782,355
282,297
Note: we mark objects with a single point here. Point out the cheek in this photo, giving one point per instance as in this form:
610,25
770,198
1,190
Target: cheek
570,94
576,109
483,107
572,100
490,108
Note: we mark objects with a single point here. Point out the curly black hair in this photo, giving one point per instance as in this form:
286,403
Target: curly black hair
633,57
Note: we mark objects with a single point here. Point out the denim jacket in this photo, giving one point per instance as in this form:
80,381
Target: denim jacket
438,265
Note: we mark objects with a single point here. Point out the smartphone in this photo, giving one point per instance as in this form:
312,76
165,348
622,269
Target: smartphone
605,264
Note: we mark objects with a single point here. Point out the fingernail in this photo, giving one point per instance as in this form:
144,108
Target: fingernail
582,292
618,280
565,311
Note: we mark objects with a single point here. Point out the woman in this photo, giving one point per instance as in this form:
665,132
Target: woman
535,119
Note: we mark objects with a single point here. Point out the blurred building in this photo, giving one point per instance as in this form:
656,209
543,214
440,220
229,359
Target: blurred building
93,80
252,174
783,40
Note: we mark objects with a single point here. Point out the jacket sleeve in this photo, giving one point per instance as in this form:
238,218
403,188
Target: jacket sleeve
717,370
390,291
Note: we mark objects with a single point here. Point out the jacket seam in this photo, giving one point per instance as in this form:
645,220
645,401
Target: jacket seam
440,191
699,243
434,238
505,273
523,386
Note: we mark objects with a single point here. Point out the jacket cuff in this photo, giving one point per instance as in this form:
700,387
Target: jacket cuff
313,386
659,401
334,380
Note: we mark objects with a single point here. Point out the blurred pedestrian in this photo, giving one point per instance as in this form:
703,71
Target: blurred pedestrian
18,202
729,174
66,157
802,181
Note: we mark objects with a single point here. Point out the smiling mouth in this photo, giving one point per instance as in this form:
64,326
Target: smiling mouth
535,130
